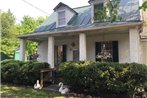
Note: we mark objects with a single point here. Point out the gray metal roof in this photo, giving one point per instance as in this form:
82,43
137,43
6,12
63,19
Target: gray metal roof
62,4
129,11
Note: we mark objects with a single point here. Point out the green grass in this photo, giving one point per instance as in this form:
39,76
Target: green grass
9,91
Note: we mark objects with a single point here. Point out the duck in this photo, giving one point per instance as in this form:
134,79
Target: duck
62,89
37,85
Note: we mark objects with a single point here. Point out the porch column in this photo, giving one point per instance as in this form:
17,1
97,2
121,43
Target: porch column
51,51
22,49
82,46
134,45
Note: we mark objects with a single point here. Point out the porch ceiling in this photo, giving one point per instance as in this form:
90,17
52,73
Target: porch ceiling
93,29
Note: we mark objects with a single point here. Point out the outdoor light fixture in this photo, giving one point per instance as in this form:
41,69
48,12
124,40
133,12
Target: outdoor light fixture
73,44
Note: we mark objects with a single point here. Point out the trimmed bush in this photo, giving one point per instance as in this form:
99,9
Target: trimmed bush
104,78
19,72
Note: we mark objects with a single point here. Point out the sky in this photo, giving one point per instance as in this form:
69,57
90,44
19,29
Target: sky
19,8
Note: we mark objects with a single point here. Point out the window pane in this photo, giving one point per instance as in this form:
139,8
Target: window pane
61,14
105,53
61,18
75,55
61,21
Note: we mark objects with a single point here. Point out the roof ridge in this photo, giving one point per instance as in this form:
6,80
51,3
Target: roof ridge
81,7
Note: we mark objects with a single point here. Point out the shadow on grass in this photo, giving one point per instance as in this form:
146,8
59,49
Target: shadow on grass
9,91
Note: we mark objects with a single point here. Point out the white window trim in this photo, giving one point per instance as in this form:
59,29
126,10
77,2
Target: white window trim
58,19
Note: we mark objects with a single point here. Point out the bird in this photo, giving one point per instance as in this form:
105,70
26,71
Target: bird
37,85
62,89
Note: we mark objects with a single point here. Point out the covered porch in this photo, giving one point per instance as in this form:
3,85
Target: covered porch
84,43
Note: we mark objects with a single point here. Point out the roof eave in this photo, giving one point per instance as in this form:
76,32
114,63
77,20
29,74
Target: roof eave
80,30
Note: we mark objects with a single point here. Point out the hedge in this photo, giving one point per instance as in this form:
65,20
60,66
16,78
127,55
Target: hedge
18,72
104,78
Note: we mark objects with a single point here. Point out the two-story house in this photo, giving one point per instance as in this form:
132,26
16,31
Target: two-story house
72,34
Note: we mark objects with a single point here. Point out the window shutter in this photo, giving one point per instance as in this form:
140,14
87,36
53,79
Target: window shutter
97,50
115,51
64,53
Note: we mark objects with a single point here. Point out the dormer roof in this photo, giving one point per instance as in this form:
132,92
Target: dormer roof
62,4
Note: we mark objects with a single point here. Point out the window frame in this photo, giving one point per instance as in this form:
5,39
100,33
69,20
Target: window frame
61,19
112,47
96,7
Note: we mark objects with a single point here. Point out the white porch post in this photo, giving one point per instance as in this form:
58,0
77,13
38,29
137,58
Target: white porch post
82,46
134,45
51,51
22,49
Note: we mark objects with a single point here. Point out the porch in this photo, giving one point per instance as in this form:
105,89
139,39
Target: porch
84,43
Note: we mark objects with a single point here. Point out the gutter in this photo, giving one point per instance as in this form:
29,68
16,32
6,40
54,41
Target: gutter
82,29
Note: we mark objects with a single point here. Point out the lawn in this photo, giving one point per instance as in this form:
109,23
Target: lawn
10,91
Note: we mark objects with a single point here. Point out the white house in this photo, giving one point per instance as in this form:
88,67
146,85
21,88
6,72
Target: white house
72,34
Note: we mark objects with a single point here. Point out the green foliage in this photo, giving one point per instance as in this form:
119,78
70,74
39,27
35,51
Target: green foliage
9,29
144,6
104,78
19,72
109,12
8,32
29,24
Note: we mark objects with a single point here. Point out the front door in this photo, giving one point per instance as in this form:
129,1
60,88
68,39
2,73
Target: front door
60,54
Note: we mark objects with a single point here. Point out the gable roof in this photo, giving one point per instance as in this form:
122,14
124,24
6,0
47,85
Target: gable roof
82,18
128,10
62,4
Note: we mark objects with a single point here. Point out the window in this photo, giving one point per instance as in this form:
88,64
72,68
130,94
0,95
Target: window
107,51
61,18
75,55
98,7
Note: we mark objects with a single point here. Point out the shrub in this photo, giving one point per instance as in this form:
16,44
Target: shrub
19,72
104,78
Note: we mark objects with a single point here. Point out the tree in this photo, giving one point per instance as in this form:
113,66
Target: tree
28,25
144,6
109,12
8,32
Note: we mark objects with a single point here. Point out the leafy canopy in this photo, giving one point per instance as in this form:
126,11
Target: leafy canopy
9,30
29,24
144,6
109,12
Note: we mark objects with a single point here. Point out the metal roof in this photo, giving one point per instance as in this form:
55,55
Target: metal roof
128,10
62,4
89,28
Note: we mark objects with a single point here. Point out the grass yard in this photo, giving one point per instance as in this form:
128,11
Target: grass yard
9,91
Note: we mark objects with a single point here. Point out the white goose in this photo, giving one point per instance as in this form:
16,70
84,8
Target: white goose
37,85
62,89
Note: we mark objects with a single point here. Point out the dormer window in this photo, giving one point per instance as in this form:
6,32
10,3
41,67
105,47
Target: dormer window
64,14
97,7
61,18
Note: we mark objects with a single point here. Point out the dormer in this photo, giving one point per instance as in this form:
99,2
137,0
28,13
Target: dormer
64,14
96,5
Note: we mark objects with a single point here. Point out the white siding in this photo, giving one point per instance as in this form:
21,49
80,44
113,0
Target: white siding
68,14
42,51
123,41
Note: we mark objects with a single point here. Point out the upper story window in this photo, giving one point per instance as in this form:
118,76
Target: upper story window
61,18
97,9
